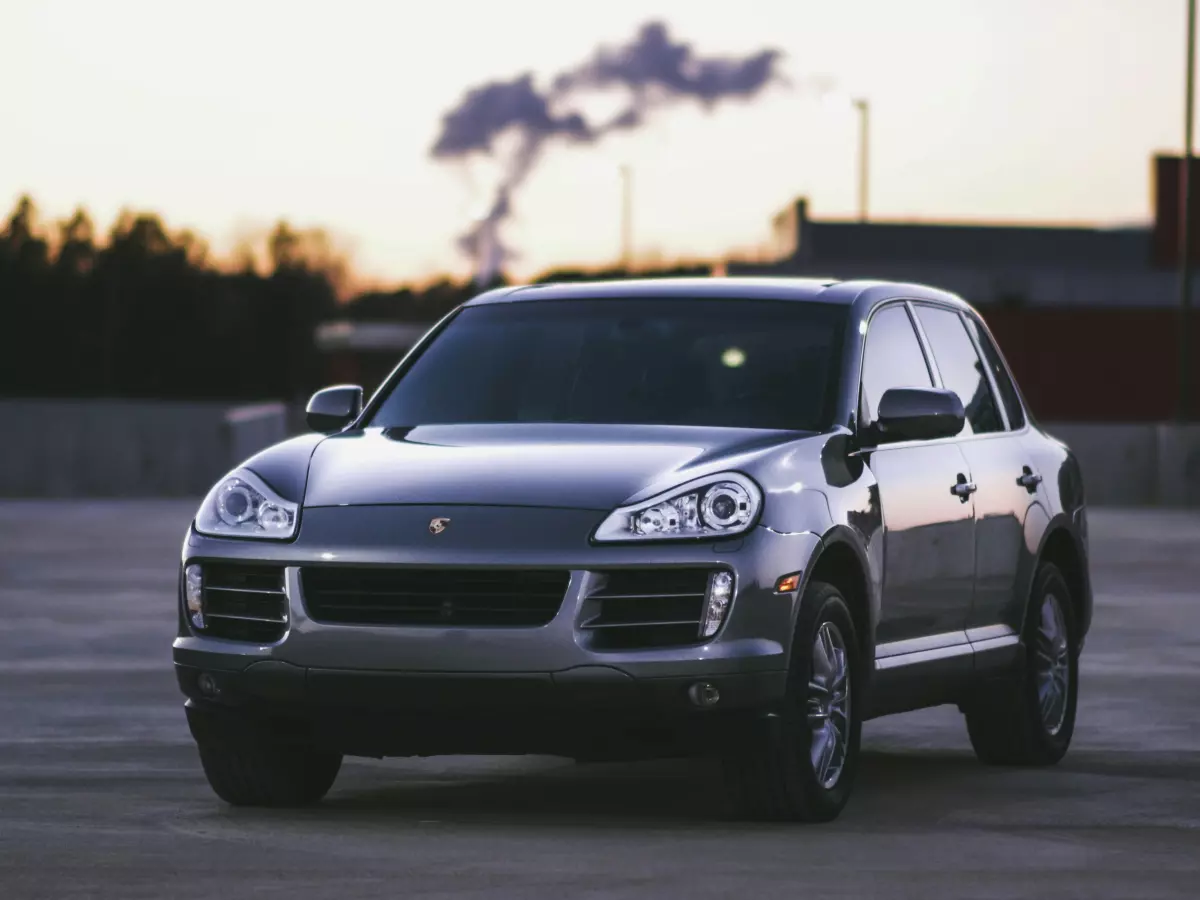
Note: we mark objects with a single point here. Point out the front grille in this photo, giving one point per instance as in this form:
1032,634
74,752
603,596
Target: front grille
514,598
641,608
244,603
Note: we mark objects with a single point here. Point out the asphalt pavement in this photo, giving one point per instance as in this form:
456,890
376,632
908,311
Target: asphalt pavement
101,793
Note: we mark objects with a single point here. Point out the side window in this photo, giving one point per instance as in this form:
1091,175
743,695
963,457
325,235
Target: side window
892,358
962,371
1008,391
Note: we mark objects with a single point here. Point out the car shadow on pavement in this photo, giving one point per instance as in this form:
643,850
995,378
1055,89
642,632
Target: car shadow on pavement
924,784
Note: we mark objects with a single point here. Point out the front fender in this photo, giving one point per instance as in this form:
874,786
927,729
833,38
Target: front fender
799,512
845,536
848,544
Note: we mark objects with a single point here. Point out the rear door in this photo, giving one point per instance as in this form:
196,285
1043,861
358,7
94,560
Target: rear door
1005,485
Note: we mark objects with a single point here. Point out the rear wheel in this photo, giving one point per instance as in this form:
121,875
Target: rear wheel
253,771
1029,720
799,763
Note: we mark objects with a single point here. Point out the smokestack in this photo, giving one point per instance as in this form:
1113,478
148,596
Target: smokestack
655,70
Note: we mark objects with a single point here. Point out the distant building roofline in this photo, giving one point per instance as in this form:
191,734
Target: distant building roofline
986,225
803,207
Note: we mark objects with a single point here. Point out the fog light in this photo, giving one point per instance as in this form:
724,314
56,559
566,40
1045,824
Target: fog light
194,590
720,592
704,694
207,684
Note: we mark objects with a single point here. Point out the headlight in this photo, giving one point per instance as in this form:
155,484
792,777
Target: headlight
241,505
716,506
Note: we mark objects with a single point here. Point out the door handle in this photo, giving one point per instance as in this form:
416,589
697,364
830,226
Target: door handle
1029,480
963,489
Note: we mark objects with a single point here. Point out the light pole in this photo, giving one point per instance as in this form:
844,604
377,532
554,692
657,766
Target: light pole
1185,224
864,150
626,217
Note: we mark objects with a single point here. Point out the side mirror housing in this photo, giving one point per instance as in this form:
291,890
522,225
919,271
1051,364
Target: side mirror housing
333,408
919,414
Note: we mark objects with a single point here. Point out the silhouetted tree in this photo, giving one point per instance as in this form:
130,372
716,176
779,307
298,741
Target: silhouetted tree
146,313
26,304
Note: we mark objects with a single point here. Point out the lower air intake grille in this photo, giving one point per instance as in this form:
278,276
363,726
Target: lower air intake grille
641,608
244,603
515,598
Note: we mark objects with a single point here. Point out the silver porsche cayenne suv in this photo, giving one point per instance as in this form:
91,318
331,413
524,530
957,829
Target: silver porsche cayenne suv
724,517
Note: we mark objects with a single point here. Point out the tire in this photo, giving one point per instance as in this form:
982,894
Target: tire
770,772
250,771
1022,721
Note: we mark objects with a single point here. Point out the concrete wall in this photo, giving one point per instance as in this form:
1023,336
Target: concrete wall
117,448
124,448
1119,462
1178,465
1135,465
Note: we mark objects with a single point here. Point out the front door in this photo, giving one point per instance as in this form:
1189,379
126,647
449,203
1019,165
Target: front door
929,537
929,547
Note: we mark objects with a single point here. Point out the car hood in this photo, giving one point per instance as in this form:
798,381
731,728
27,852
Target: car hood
568,466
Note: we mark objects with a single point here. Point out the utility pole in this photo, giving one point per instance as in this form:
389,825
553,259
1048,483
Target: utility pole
626,217
1185,226
864,157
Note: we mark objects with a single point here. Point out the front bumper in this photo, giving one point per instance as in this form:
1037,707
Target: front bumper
589,712
583,688
317,668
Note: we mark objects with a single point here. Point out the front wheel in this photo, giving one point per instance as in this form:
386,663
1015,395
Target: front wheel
1030,719
251,771
799,763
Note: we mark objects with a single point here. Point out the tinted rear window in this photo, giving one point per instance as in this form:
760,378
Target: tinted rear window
1008,391
735,363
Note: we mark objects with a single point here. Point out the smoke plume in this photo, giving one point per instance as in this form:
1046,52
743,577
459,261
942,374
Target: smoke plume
655,70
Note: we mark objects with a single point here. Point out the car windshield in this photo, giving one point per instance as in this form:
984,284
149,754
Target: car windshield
740,363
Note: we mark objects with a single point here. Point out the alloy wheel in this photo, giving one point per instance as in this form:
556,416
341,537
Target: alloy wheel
829,705
1052,664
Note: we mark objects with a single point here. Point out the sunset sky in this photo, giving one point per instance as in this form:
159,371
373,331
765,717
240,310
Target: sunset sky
224,116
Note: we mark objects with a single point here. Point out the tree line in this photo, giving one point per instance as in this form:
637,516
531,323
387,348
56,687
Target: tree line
147,312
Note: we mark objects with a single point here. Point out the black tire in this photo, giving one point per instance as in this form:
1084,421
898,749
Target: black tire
1005,721
250,771
769,771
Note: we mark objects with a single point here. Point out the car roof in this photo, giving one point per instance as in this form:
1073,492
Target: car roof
864,294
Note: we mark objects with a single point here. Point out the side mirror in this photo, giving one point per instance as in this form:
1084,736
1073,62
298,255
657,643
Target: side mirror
333,408
919,414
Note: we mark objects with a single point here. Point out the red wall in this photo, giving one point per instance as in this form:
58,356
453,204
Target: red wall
1097,365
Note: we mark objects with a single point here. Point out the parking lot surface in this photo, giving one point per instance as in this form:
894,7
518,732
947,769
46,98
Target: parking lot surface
101,793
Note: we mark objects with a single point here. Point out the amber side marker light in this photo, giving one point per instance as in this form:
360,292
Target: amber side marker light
787,584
